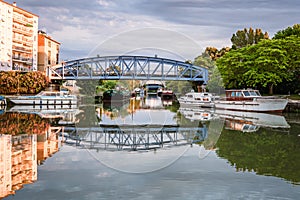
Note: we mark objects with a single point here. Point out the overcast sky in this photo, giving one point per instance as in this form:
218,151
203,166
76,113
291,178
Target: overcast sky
166,27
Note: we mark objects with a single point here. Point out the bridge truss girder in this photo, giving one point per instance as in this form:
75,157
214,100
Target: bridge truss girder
127,68
133,139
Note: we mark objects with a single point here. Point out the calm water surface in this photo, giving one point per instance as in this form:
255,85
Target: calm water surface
148,151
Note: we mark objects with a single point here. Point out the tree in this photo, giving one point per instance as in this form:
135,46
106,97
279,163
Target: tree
214,53
215,83
245,37
290,31
263,65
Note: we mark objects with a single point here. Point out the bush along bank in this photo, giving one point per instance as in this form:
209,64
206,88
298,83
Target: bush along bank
16,82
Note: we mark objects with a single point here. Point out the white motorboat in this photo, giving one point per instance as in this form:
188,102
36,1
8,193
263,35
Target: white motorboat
250,100
45,98
198,99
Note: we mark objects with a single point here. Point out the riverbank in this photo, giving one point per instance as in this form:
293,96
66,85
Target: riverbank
293,106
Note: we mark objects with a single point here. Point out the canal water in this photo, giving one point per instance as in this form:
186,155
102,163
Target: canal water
149,149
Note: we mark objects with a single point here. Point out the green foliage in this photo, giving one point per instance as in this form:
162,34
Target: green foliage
215,83
243,38
204,60
263,65
106,85
290,31
179,87
266,152
87,87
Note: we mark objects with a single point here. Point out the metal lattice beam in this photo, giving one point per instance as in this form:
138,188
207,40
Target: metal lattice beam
137,138
127,68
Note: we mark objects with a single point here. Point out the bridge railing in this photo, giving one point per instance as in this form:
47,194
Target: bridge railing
127,68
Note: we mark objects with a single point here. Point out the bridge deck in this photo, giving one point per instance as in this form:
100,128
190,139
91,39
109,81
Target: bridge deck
127,68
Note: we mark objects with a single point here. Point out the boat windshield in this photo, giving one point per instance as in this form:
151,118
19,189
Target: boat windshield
251,93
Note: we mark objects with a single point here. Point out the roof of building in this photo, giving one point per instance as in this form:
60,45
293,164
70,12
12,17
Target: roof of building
14,5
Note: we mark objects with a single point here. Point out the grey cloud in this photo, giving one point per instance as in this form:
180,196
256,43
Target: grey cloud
206,20
221,12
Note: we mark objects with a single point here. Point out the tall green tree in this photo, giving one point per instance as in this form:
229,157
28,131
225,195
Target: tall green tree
245,37
264,65
290,31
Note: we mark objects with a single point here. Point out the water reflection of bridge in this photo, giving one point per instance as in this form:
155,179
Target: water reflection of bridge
133,138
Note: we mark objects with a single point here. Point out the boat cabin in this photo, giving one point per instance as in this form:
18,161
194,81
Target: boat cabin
239,95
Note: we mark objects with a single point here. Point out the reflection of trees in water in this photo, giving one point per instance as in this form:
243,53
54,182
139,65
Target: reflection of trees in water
22,123
266,152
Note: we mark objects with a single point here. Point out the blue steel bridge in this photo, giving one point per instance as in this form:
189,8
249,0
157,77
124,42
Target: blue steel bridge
127,68
133,137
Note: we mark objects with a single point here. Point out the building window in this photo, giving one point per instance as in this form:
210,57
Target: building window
57,58
49,43
49,57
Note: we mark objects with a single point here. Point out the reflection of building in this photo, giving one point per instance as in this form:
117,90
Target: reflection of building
19,156
5,165
24,160
18,162
18,38
48,51
47,144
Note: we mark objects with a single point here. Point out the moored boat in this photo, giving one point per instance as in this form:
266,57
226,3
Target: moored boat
198,99
45,98
250,100
167,94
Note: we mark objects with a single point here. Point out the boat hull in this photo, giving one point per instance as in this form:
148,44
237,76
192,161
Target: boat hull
258,105
196,104
43,101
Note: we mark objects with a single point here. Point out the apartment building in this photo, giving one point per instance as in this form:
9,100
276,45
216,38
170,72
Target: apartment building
48,51
18,38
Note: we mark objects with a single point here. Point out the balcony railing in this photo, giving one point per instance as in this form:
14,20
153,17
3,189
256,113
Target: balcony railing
27,61
21,49
23,30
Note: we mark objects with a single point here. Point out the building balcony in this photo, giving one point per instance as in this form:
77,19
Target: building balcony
21,49
17,40
27,43
23,30
22,20
20,59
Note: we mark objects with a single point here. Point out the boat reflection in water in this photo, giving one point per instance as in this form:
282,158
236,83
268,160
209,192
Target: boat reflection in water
237,120
63,114
135,138
138,137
